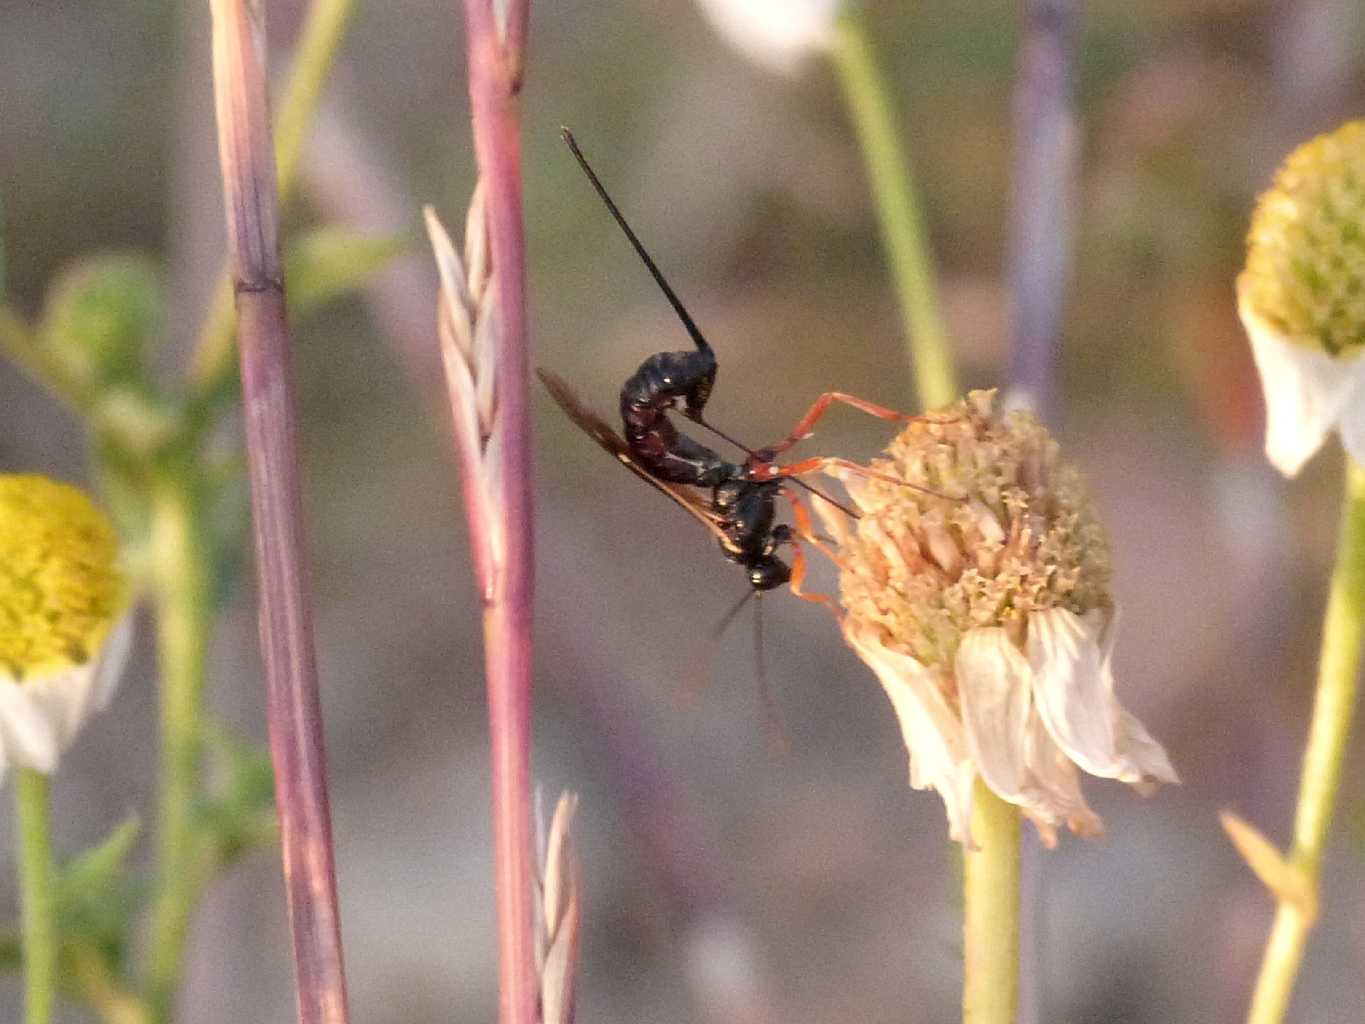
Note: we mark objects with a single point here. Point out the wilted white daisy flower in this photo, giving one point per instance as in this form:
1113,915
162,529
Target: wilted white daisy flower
64,622
984,609
1302,298
776,34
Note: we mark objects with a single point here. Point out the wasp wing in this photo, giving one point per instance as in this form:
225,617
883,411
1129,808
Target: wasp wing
596,428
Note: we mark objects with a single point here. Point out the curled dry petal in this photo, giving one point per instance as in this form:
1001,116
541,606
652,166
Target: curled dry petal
931,729
993,684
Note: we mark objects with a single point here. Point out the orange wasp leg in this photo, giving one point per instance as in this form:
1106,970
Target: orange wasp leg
820,406
806,529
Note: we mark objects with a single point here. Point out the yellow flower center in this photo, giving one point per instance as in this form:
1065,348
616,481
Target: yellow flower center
1022,537
1305,271
60,587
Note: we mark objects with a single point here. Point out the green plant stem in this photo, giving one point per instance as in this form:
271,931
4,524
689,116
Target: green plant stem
214,359
36,895
1323,756
90,976
180,575
990,926
21,344
869,103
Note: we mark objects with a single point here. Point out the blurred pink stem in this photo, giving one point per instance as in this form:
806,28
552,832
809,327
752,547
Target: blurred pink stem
495,68
285,619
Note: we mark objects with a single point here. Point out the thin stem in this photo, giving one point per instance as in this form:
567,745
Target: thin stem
36,895
1043,198
91,977
180,574
902,225
21,344
1323,756
494,80
990,926
319,40
1044,173
285,618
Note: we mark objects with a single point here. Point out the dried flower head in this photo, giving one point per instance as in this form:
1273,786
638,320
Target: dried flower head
64,623
987,616
1302,298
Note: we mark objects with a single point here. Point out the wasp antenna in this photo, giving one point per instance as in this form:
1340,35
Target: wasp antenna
774,731
688,323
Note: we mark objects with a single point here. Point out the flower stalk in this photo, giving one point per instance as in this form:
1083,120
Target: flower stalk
248,170
1043,188
1296,877
180,561
36,895
990,918
898,211
501,528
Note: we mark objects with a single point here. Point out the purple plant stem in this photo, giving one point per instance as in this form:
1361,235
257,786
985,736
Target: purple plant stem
495,70
1044,178
285,620
1044,187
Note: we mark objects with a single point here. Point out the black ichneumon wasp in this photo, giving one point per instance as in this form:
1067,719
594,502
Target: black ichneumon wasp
741,507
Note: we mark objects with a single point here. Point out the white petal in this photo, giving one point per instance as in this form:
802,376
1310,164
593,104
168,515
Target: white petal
113,659
776,34
65,700
1073,687
1353,416
1069,689
1141,750
1134,741
1306,391
26,731
993,687
932,732
1055,796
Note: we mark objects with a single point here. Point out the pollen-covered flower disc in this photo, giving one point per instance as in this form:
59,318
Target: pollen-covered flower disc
64,623
984,608
1302,298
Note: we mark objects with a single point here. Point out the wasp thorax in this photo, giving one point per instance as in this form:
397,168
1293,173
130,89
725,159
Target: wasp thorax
1007,531
1305,271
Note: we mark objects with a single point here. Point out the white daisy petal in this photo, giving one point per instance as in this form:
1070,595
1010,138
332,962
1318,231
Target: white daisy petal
1306,391
1074,692
932,732
1135,743
1140,749
993,687
1352,423
26,731
777,34
112,660
1069,689
1057,798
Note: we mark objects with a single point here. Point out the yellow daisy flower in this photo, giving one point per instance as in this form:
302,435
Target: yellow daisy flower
64,618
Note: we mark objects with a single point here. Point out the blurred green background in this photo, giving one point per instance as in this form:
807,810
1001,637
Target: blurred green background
722,884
